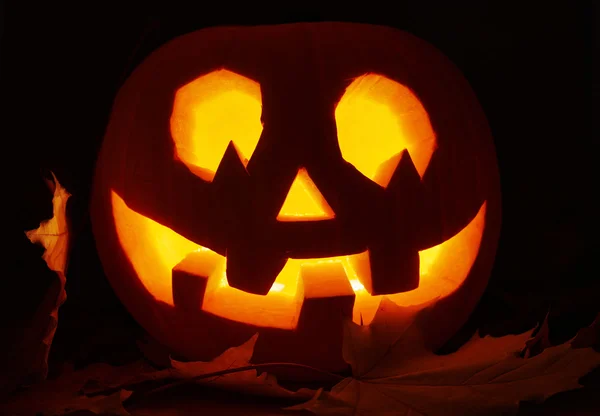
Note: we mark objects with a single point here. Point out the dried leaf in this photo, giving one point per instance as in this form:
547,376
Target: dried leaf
102,377
100,405
540,341
488,388
246,381
231,358
486,376
53,233
387,349
365,346
68,393
34,346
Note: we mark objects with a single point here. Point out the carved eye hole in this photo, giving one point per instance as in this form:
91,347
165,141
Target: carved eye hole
376,119
211,111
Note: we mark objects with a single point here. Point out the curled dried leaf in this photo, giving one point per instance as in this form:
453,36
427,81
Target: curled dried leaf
32,348
485,376
69,393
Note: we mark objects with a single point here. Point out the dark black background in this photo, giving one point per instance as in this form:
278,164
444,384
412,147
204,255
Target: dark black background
531,65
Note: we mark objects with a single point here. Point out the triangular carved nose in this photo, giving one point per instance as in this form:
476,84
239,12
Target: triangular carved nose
304,201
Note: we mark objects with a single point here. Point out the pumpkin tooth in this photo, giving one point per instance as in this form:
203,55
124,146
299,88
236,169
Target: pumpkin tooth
231,197
405,180
407,208
253,267
231,170
394,268
328,302
190,279
393,260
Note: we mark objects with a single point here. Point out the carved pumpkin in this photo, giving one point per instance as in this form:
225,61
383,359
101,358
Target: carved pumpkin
281,179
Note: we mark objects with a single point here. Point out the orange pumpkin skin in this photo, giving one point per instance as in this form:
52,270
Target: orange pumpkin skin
303,71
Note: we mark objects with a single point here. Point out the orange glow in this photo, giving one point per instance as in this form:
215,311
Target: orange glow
154,250
304,201
211,111
443,268
376,119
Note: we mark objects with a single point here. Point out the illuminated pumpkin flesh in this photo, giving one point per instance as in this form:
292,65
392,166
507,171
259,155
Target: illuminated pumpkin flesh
288,185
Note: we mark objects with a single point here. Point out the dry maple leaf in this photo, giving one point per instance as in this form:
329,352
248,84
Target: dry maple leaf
226,365
100,405
366,347
66,394
53,235
36,338
487,376
102,388
540,341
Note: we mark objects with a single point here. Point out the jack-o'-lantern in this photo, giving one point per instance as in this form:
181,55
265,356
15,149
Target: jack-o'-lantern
281,179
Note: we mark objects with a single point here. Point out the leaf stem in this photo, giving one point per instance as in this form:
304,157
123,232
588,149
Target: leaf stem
137,397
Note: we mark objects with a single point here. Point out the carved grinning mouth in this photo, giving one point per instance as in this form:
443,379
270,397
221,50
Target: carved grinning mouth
159,255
